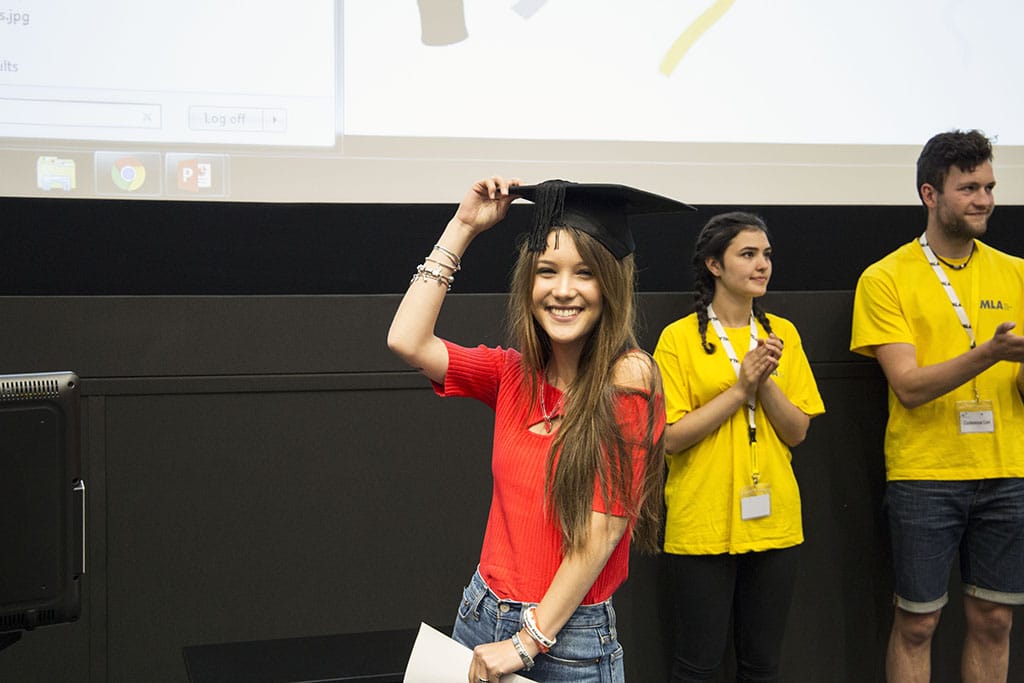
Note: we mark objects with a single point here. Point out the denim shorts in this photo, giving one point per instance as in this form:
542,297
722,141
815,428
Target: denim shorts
587,648
929,521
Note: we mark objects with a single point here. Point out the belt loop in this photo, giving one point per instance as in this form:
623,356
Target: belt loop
483,589
610,612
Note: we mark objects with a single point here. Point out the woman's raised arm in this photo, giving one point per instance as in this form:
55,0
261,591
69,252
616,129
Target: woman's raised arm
411,335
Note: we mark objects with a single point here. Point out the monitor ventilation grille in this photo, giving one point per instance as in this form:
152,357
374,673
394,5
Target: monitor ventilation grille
27,389
28,620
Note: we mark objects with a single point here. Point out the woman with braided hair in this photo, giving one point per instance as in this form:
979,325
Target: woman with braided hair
739,394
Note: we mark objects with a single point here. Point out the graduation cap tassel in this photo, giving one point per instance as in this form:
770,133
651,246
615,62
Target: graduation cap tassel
550,203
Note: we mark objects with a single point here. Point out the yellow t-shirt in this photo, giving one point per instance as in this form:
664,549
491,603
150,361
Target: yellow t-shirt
702,491
899,300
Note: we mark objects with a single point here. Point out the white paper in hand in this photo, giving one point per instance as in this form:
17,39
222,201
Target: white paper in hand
436,658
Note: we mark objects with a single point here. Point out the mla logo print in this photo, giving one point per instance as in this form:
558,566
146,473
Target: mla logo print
128,174
994,305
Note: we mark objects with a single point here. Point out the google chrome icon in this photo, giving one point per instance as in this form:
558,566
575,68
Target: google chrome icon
128,173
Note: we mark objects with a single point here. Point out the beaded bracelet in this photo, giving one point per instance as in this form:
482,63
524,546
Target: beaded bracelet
456,261
530,622
523,654
424,273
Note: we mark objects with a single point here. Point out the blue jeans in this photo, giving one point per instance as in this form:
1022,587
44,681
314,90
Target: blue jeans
929,521
587,650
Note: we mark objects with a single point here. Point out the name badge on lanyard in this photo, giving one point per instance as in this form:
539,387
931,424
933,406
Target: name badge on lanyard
756,499
976,417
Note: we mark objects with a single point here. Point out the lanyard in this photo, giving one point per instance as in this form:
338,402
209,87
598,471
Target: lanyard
730,353
958,308
933,261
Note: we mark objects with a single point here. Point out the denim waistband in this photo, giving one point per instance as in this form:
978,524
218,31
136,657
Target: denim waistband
585,616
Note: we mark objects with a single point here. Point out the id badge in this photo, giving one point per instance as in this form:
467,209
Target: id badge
755,502
976,417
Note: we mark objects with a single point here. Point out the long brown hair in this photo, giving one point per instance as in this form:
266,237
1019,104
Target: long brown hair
590,444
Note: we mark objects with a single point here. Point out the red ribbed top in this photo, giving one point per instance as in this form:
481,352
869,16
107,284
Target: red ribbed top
522,546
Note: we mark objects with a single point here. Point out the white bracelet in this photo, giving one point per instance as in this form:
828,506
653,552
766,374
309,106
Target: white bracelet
530,622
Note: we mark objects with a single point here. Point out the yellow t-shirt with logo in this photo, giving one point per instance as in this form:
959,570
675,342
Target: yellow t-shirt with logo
899,300
704,483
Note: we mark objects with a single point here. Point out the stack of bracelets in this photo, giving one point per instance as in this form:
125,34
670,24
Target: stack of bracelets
426,273
530,622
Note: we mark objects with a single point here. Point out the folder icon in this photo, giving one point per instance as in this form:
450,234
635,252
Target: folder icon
55,173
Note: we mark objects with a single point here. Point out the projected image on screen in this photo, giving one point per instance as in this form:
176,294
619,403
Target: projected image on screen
711,101
151,100
184,72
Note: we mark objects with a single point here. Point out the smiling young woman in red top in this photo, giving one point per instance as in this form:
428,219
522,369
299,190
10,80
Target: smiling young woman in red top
578,456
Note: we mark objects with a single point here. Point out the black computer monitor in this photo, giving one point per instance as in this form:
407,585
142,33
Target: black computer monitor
42,501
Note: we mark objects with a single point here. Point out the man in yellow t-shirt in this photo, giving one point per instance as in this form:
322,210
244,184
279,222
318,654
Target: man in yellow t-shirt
943,315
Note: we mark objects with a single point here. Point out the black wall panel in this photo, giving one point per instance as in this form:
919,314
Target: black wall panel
111,247
261,467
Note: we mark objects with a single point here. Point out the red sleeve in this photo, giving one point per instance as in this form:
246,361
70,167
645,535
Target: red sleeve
632,409
475,372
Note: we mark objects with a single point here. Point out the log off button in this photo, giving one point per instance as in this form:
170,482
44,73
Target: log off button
238,119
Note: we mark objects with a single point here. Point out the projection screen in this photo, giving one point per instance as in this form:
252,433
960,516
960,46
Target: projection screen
711,101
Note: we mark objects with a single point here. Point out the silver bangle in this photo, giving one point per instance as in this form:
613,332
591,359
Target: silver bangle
456,261
523,654
440,263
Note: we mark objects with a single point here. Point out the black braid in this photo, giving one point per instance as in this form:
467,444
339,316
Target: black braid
762,317
704,289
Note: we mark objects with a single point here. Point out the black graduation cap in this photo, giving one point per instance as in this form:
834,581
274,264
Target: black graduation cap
601,210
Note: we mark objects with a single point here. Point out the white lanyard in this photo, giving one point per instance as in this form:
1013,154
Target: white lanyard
933,261
730,353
